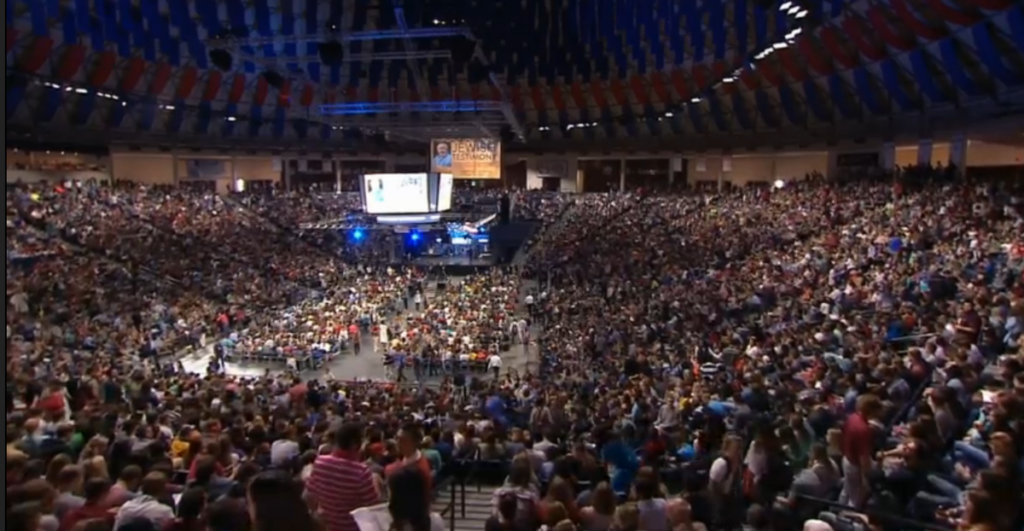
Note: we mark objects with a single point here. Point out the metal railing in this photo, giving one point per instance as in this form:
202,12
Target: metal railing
880,517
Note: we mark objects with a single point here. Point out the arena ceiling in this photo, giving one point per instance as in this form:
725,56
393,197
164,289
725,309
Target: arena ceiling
556,74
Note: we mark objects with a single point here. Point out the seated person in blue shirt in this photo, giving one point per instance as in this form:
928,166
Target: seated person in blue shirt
622,462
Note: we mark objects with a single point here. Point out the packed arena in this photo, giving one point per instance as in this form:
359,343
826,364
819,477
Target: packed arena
515,266
818,340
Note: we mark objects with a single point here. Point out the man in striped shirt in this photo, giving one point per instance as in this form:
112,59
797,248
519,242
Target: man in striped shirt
341,483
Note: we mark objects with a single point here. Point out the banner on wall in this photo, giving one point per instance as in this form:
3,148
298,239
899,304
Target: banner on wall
727,163
472,158
958,151
206,169
702,164
924,152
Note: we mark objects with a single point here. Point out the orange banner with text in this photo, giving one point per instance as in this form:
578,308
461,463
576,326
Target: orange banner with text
466,158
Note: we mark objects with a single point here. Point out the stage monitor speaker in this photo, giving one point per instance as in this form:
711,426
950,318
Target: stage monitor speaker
505,214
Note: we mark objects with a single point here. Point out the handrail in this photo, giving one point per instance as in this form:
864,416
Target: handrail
450,511
468,469
877,515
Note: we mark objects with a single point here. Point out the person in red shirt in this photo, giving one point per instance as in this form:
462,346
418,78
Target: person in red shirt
53,402
95,508
409,440
858,443
341,483
354,337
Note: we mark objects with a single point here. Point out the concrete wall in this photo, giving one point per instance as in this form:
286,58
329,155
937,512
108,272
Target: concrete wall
907,155
143,168
984,154
565,168
979,154
257,169
55,176
183,168
757,168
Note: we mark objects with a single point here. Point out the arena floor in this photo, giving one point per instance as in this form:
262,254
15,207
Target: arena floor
348,366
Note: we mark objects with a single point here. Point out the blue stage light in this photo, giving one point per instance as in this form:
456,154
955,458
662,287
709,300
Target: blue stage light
415,236
357,234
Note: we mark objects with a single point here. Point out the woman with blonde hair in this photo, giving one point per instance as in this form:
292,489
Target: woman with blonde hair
56,465
725,483
565,525
96,447
96,468
627,518
598,517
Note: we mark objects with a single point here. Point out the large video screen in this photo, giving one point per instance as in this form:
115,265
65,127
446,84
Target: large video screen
444,194
395,193
466,158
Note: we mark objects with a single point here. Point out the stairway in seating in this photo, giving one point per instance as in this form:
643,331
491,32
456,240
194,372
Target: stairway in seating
478,507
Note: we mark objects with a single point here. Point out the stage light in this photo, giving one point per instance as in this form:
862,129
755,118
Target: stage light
357,234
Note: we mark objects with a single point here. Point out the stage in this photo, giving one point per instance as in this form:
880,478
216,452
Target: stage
459,266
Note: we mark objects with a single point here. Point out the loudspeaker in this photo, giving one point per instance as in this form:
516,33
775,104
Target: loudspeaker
273,79
222,59
331,53
504,214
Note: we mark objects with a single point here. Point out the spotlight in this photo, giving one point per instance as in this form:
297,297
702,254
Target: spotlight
415,236
357,234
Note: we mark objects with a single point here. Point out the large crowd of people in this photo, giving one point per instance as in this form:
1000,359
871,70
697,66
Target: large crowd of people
819,356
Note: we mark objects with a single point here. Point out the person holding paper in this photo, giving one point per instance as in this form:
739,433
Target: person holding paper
407,509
